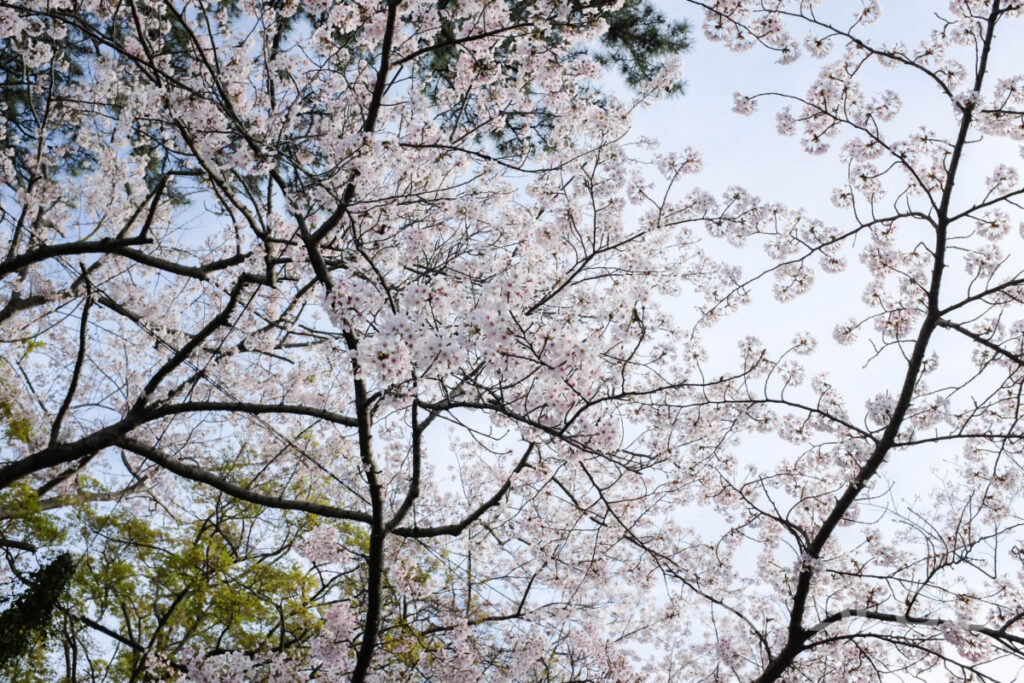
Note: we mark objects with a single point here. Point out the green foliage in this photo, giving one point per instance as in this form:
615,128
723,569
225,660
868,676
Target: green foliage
639,39
217,584
16,426
27,520
225,580
33,345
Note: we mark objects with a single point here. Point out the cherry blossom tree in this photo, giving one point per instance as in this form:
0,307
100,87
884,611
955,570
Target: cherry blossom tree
362,340
272,272
886,537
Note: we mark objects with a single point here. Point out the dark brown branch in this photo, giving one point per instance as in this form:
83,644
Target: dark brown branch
1016,282
250,408
998,634
61,453
49,251
987,343
197,339
462,525
20,545
203,476
75,373
797,635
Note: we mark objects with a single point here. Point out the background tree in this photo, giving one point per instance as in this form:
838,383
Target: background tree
24,621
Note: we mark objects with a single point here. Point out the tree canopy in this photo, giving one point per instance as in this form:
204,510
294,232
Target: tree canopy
364,340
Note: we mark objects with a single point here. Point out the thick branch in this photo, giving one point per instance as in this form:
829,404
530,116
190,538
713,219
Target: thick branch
198,474
998,634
